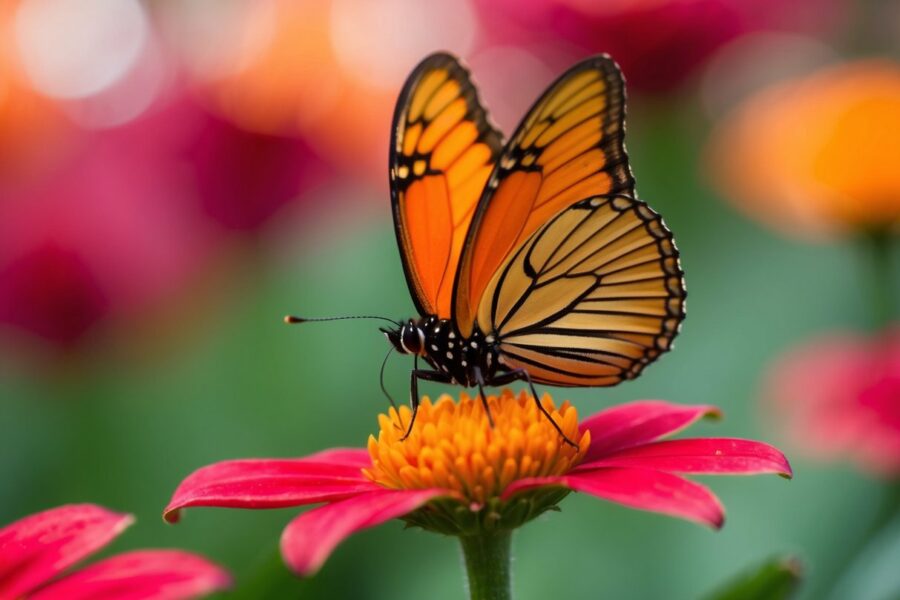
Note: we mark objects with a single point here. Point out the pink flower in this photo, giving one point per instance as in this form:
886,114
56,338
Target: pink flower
840,395
51,291
105,233
127,219
37,551
455,474
244,178
658,43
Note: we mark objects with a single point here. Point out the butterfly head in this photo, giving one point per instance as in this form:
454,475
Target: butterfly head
408,339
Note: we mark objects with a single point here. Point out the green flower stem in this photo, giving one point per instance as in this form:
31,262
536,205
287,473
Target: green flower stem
487,560
878,246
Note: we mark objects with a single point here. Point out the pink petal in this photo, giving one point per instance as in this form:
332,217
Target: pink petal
270,483
38,547
643,489
637,423
309,539
351,457
714,456
140,575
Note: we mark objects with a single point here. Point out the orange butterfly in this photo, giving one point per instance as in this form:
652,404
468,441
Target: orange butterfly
531,260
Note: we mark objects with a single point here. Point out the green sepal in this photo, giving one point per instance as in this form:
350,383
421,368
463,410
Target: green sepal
455,517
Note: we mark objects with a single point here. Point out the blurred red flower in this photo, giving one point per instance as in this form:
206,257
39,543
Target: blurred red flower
839,395
37,551
658,43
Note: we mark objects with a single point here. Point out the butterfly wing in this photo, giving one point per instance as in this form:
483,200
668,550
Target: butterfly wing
442,152
569,147
590,298
579,281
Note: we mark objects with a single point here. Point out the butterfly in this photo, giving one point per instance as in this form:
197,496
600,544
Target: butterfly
532,259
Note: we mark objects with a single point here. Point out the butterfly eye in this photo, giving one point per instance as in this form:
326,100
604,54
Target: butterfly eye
413,339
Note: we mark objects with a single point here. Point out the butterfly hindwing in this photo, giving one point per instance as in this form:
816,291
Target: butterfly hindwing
569,147
591,297
443,150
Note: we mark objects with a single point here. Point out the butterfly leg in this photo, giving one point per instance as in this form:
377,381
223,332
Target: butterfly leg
479,379
415,376
522,375
381,379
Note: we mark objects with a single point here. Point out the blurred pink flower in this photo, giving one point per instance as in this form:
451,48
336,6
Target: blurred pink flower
107,231
839,395
658,43
50,291
37,551
131,215
456,473
244,178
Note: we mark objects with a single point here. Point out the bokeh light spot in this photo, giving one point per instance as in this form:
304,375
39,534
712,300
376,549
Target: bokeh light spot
77,48
379,41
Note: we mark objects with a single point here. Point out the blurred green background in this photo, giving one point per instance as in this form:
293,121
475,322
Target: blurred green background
120,413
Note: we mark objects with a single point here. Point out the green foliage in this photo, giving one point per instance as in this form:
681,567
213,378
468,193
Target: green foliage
777,579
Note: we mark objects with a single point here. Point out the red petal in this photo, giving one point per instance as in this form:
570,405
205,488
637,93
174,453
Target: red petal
140,575
643,489
269,483
309,539
35,549
713,456
638,423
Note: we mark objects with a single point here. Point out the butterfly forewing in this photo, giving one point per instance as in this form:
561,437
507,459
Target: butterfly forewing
443,150
569,147
591,297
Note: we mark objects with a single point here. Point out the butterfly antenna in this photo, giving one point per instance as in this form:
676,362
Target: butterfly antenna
293,320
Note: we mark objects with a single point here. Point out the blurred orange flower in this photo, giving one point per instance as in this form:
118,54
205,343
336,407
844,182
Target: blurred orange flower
32,130
816,155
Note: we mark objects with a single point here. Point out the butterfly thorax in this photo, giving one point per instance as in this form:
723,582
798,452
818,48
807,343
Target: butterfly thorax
439,342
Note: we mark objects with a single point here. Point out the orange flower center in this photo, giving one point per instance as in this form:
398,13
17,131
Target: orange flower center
453,446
